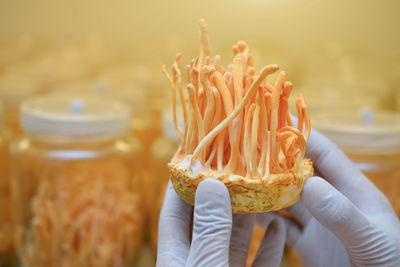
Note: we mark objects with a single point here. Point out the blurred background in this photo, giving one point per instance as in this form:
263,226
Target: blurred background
344,56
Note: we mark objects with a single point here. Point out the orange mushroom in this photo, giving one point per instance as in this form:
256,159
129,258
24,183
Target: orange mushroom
238,130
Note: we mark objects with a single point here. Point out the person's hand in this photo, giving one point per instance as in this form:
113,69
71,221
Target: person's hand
342,219
211,235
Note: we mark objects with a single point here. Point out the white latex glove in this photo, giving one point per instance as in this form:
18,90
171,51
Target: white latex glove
343,219
213,236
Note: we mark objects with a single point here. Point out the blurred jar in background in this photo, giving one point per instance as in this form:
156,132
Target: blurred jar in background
84,86
131,84
13,90
395,84
76,199
52,68
162,151
98,52
19,49
64,66
140,88
372,141
326,92
121,87
121,83
6,236
343,77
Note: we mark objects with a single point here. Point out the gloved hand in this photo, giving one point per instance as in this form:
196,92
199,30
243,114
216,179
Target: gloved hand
213,236
343,219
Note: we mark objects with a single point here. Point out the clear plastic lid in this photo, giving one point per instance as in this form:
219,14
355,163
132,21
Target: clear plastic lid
74,115
126,92
361,131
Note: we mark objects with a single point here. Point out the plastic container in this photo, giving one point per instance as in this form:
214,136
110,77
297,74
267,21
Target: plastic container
372,140
162,151
138,88
76,192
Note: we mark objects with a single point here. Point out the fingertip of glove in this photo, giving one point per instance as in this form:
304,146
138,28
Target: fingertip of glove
332,209
211,185
212,190
322,199
314,190
316,182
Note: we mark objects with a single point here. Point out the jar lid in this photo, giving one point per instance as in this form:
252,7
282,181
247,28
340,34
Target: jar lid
74,115
361,131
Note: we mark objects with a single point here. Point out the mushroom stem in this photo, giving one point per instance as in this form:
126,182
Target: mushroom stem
264,130
209,103
254,139
238,78
204,42
267,70
283,107
247,140
181,95
299,108
173,86
276,91
268,157
197,114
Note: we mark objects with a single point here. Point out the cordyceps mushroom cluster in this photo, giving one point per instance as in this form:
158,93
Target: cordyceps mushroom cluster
82,212
237,129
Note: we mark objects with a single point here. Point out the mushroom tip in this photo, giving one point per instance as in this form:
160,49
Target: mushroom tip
202,22
242,45
237,57
269,69
207,69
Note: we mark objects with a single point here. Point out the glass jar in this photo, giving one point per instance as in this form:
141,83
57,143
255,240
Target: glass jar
162,151
76,195
371,139
137,86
